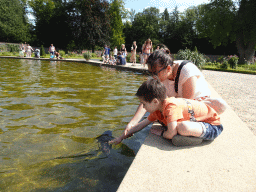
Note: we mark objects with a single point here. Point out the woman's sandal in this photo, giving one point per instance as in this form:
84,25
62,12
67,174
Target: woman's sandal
179,140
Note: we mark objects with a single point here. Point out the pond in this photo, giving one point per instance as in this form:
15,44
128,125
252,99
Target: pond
51,113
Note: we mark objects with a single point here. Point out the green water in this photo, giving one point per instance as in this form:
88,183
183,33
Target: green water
50,115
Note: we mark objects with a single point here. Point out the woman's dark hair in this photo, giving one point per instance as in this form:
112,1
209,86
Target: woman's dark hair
160,57
151,89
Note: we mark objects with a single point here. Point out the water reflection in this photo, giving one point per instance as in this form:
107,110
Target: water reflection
51,114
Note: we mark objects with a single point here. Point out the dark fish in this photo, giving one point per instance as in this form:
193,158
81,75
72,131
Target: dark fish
103,140
104,146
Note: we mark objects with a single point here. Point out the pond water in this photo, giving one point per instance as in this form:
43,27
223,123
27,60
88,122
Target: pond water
51,113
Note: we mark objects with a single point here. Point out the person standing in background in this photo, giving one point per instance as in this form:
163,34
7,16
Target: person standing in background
52,50
115,52
29,51
133,50
147,48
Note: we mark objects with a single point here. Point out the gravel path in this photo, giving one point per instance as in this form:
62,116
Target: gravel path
239,91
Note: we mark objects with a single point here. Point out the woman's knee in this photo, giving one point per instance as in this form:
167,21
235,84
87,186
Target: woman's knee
218,104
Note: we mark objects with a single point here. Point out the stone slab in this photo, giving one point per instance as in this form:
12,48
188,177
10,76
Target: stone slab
226,164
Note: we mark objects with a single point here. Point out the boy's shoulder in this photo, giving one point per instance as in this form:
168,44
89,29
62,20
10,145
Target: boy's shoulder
171,101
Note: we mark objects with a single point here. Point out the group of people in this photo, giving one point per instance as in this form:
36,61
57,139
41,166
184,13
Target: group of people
178,97
119,57
26,51
53,52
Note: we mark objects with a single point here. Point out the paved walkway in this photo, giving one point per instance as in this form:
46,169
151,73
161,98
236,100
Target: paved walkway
227,164
239,91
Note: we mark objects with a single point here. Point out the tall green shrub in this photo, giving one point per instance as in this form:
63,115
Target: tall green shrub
42,51
197,58
232,61
13,48
62,53
224,65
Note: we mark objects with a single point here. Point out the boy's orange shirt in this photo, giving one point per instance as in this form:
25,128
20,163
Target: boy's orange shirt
176,109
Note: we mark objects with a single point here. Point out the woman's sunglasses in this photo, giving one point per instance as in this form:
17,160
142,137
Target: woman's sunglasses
156,73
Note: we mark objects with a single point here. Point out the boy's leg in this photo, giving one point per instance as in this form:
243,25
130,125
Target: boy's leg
188,128
188,134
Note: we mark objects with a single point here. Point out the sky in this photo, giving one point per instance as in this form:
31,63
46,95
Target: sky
139,5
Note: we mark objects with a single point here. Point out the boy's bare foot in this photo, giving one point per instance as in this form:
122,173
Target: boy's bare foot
156,131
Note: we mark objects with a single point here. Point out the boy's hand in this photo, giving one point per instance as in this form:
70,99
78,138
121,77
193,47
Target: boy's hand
116,141
127,129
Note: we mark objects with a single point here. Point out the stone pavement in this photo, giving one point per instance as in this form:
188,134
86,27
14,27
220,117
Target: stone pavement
239,91
226,164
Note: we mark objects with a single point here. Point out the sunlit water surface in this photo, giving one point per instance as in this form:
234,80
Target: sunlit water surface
50,115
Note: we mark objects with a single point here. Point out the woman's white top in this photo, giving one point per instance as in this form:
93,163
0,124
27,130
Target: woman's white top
52,48
29,48
115,51
190,70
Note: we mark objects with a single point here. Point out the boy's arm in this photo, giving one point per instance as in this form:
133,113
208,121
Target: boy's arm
140,112
128,132
171,130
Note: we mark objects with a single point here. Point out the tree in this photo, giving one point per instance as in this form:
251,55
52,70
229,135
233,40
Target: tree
132,14
14,25
146,25
187,29
174,31
222,24
216,22
164,21
245,30
128,33
52,22
43,11
115,12
91,23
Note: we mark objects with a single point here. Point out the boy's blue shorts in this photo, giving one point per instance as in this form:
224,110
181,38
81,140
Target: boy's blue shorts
210,132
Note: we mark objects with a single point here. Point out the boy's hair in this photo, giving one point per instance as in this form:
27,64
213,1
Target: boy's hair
159,57
151,89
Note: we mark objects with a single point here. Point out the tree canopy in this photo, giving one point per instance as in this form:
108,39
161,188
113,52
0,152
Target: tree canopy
217,27
245,30
115,13
14,25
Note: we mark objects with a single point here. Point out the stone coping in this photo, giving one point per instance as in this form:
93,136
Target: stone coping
128,66
226,164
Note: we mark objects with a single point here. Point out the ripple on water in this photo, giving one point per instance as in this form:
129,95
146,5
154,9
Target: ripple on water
52,113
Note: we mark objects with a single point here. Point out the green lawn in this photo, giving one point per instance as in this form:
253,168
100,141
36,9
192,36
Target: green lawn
241,68
73,56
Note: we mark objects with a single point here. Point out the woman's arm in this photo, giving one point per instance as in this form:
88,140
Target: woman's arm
189,88
137,116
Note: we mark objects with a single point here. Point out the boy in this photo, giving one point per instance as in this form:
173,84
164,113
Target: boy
188,122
